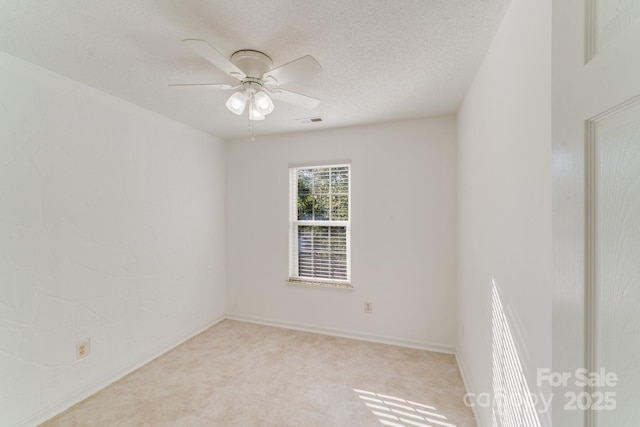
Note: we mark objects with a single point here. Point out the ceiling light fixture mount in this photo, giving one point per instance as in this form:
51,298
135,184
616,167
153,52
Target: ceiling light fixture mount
259,81
254,64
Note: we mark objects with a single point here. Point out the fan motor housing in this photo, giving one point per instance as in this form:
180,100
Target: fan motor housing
252,62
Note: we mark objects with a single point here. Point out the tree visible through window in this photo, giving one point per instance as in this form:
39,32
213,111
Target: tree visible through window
319,224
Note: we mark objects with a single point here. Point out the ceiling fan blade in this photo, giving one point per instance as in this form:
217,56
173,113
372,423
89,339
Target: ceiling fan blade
298,69
211,85
212,55
294,98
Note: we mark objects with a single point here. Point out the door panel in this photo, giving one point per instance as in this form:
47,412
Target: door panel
614,170
607,20
596,203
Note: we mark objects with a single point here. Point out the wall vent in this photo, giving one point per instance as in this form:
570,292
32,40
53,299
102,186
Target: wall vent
311,120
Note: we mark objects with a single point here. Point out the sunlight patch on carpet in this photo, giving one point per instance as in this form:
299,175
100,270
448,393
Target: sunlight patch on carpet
398,412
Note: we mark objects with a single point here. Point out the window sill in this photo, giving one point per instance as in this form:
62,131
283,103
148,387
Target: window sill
318,283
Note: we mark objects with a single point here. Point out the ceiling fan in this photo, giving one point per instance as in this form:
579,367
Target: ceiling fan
259,82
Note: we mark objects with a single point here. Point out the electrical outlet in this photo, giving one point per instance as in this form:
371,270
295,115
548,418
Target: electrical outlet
83,348
368,307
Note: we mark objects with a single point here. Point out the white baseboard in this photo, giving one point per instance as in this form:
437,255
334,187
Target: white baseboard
440,348
65,404
467,385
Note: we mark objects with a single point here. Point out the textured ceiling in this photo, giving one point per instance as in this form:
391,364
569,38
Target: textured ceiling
383,60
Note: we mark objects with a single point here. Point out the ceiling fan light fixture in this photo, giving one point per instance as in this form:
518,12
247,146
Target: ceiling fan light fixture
254,112
237,102
263,103
254,70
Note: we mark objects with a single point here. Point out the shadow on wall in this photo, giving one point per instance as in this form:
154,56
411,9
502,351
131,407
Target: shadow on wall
513,404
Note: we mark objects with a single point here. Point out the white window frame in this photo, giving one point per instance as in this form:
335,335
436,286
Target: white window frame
294,223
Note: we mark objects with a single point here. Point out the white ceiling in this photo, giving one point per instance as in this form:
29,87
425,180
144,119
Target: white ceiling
383,60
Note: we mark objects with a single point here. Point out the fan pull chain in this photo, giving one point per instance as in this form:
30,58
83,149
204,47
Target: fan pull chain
251,127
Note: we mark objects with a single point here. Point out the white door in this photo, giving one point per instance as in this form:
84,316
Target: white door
596,137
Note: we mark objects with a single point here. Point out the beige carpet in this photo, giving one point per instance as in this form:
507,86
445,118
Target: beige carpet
242,374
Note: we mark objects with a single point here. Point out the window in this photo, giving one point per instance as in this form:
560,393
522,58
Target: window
319,225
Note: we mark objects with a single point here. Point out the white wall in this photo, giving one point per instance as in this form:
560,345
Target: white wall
111,227
403,232
504,185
